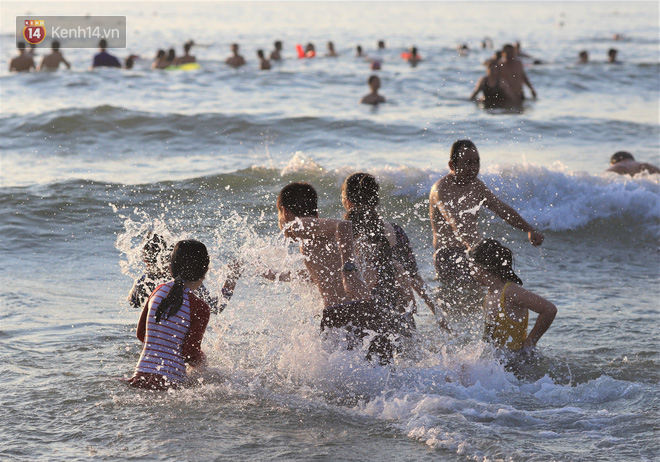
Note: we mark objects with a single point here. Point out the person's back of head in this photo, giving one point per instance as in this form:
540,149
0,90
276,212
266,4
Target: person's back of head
278,45
413,52
55,45
189,262
103,44
381,44
260,54
611,53
234,48
374,82
620,156
496,259
300,199
459,148
362,190
508,51
186,47
171,54
358,49
160,54
20,46
584,56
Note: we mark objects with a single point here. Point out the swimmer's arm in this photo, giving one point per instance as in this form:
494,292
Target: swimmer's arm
477,88
508,214
650,168
286,276
142,323
66,63
192,345
529,84
526,300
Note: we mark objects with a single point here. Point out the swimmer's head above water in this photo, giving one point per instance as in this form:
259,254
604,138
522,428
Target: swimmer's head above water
494,258
464,162
620,157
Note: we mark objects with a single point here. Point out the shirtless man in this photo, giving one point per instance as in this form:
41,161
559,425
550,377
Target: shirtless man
373,98
513,77
455,201
187,57
331,51
276,54
327,245
264,64
52,61
23,62
235,60
624,163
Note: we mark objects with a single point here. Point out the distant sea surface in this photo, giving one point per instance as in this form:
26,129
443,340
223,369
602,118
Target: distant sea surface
91,161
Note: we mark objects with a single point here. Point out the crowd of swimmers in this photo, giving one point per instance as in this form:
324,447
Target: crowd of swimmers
501,87
364,269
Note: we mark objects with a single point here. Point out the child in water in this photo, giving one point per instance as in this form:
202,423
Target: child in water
155,253
507,304
173,322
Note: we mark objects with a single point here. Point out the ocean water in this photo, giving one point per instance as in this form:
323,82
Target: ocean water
92,161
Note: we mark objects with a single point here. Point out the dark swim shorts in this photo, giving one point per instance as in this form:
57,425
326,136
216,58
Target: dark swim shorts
452,266
356,317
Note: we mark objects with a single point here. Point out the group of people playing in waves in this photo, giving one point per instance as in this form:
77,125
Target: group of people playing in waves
364,268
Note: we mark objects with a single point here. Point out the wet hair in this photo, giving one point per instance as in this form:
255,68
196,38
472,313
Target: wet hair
55,45
458,149
20,46
612,51
621,156
153,249
358,49
300,199
171,54
496,259
413,51
362,190
187,46
189,262
508,49
381,44
371,79
278,44
103,44
160,54
331,46
260,53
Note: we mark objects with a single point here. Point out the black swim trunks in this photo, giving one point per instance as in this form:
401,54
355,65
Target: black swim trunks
356,317
452,266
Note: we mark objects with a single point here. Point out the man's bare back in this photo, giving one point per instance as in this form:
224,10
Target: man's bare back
512,76
21,63
52,61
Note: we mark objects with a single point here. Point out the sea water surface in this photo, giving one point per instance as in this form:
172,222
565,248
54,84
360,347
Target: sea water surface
91,161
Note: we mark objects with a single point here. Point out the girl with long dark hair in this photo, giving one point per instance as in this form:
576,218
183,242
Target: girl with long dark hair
173,322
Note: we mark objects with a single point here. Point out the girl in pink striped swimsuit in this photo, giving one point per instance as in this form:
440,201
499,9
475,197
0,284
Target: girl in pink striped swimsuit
173,322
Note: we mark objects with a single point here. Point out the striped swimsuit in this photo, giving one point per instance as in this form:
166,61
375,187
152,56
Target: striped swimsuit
165,343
